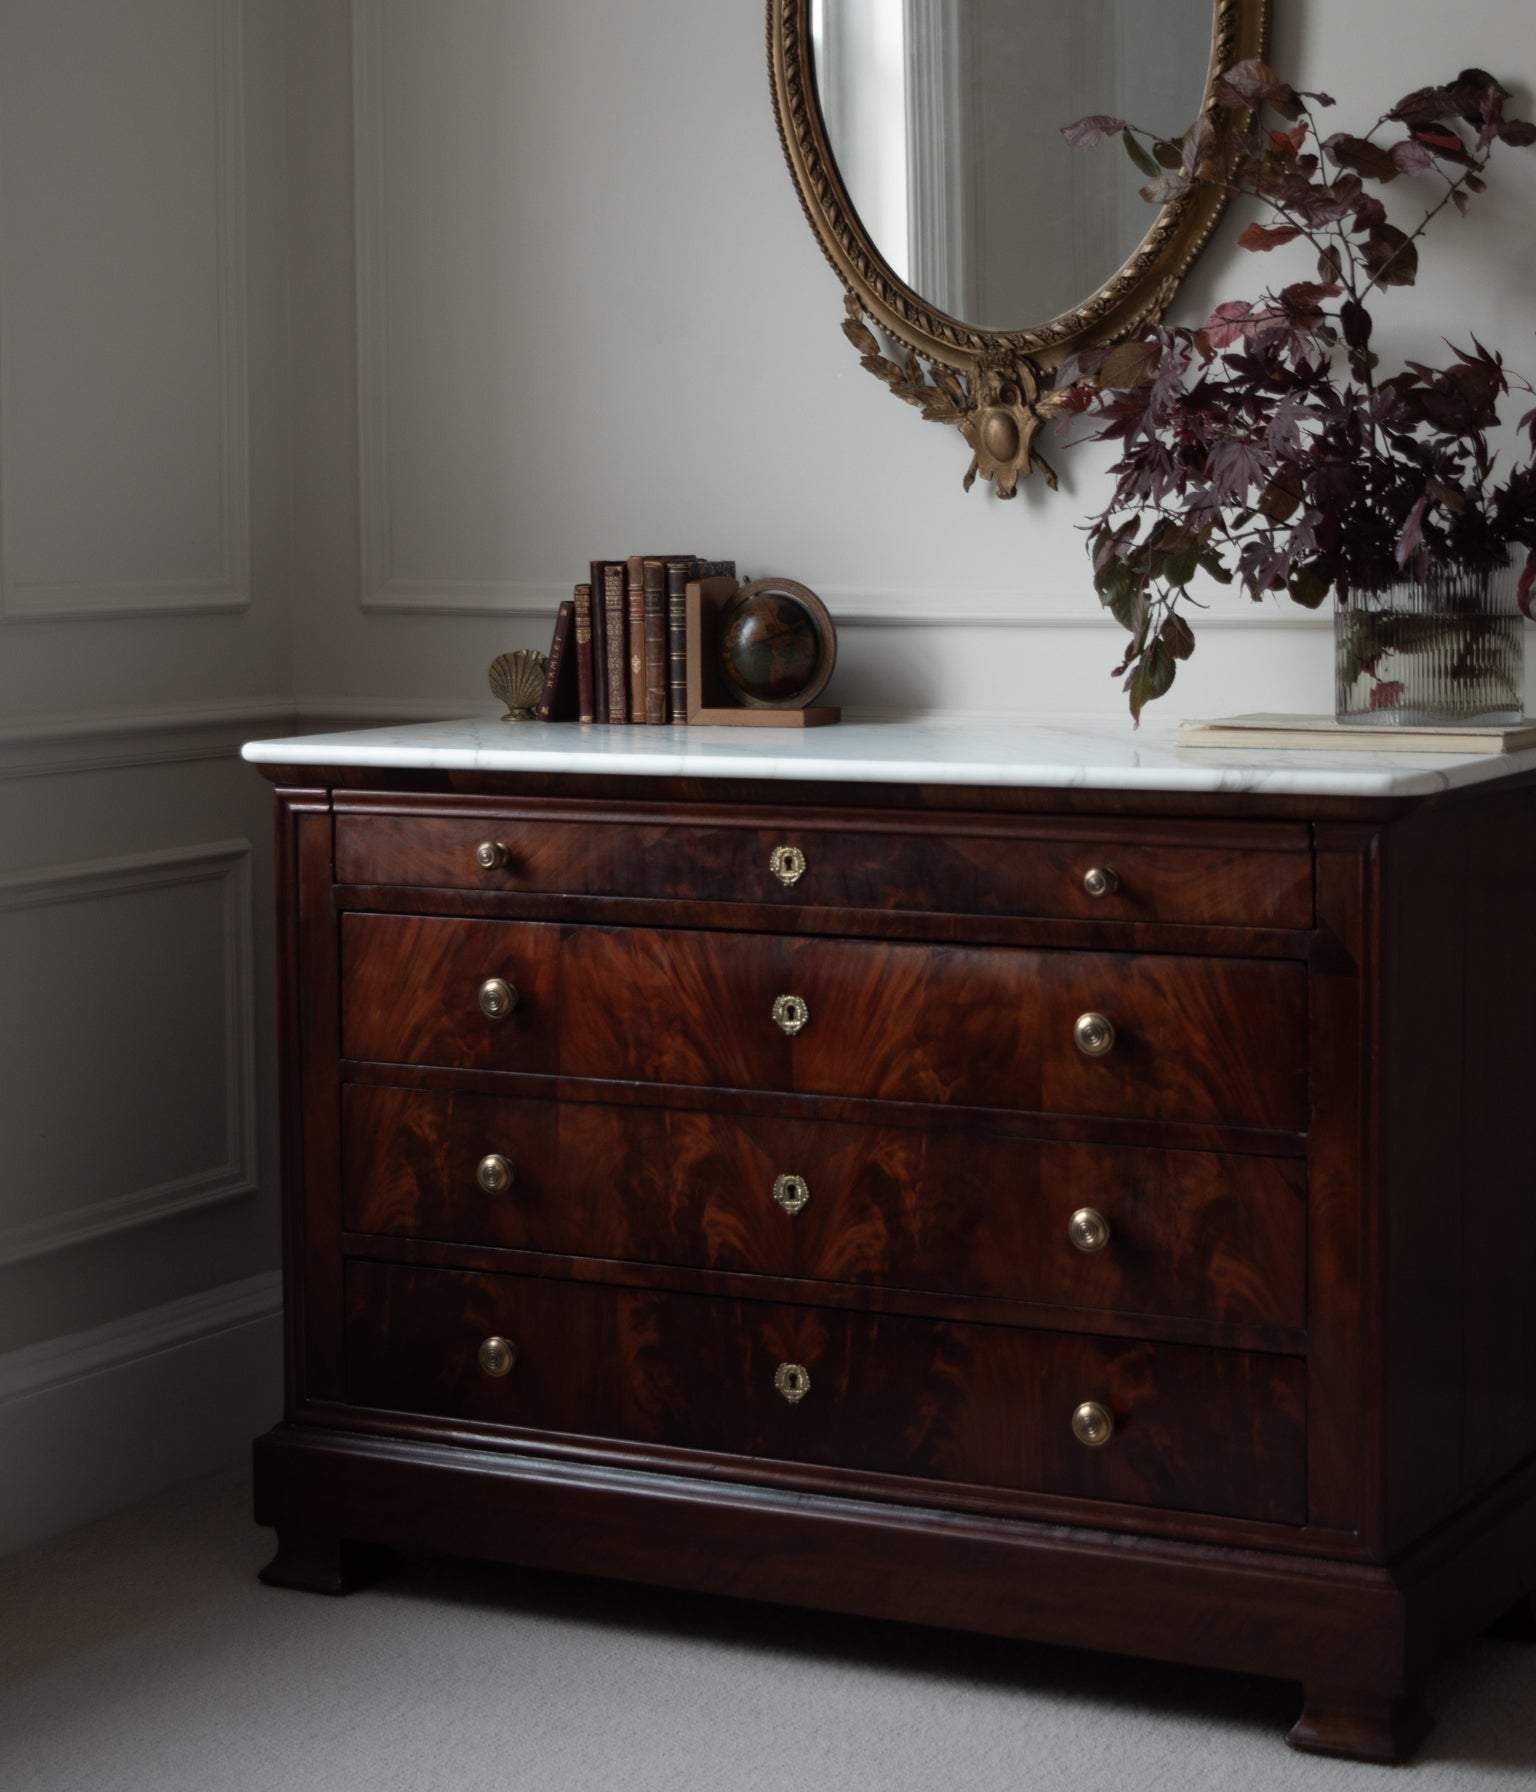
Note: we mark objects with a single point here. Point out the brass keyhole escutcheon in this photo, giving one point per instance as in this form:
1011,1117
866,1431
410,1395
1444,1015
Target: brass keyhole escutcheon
791,1013
793,1380
495,1173
791,1192
1094,1035
787,863
497,998
1092,1424
497,1355
1089,1230
491,855
1100,881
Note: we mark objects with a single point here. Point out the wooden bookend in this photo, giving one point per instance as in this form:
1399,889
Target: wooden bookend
708,702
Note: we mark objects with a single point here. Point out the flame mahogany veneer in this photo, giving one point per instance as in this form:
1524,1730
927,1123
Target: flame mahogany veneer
1310,1325
1212,1238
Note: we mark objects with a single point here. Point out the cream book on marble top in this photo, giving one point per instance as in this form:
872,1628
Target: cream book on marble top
1308,733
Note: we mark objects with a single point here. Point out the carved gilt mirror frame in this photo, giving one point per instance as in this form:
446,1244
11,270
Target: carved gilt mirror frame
993,385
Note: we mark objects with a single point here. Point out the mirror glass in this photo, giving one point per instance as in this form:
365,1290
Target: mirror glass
945,118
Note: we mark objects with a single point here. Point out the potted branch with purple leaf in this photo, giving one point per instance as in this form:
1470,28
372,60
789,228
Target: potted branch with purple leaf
1268,449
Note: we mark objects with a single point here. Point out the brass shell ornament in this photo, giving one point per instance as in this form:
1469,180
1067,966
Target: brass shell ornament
516,679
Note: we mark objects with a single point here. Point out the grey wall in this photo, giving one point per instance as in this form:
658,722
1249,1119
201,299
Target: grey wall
588,314
144,628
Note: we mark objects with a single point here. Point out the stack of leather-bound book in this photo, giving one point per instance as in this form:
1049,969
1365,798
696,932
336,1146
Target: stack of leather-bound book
620,646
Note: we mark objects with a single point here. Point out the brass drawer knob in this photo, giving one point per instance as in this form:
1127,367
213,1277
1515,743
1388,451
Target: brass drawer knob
1088,1229
1100,881
793,1380
787,863
1092,1424
491,855
791,1192
791,1013
495,1173
1094,1035
497,1355
497,998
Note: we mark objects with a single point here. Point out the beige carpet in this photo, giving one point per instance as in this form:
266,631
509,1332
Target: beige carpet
140,1655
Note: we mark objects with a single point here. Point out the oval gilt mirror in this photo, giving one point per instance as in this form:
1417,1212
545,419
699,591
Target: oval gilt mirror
925,137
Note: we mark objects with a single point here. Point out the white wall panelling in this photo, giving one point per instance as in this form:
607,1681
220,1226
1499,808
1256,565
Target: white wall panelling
435,339
112,740
41,1368
129,1054
579,342
145,359
123,351
372,343
101,1417
183,733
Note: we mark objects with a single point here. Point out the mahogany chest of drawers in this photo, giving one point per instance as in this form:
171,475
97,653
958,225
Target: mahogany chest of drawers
1099,1217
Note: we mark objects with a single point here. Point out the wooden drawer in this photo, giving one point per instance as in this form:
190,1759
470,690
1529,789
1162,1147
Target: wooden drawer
1192,1235
1261,878
1215,1431
1200,1040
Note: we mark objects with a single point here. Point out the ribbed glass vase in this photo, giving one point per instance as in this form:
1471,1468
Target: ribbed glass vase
1425,652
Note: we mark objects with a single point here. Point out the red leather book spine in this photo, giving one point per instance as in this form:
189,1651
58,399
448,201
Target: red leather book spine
559,647
582,607
615,624
656,674
638,645
678,575
599,644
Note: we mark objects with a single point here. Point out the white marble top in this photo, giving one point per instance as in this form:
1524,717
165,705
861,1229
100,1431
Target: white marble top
1058,753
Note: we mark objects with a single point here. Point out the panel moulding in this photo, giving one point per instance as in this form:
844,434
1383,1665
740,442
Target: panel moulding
381,589
372,325
94,1420
57,1362
384,592
225,862
76,601
112,740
